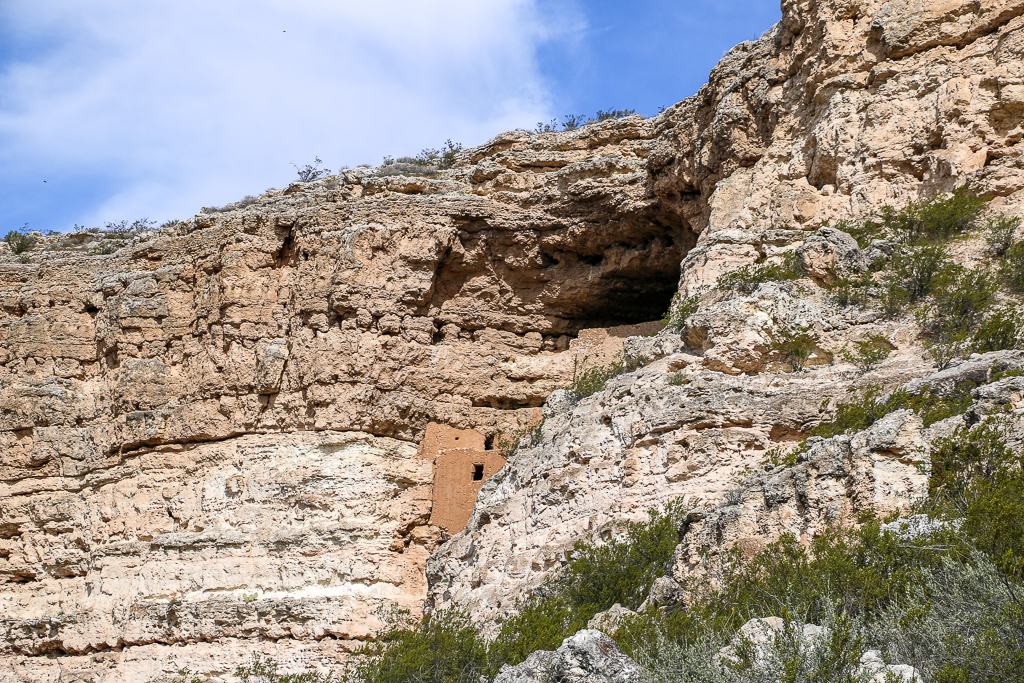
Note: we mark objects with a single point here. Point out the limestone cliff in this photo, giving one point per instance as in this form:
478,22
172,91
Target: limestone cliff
211,436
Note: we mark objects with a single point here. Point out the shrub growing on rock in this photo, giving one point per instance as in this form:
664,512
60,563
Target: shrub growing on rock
19,242
747,279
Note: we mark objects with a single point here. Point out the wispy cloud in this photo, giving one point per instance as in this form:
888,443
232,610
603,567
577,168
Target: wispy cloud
156,108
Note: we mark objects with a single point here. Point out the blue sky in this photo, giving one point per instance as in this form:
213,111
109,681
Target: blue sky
154,109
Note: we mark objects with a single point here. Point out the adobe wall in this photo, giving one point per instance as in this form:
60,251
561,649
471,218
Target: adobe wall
458,455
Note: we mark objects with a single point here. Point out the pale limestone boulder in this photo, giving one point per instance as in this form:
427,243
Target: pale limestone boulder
609,621
589,656
831,255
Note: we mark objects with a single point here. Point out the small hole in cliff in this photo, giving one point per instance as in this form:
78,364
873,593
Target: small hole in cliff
489,443
478,472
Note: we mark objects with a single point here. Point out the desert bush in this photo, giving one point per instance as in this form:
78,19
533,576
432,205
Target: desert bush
444,647
679,310
572,121
961,623
311,172
605,115
678,379
747,279
868,354
1012,267
1002,329
917,272
261,669
794,348
589,381
999,234
441,158
874,405
851,291
961,297
939,218
19,242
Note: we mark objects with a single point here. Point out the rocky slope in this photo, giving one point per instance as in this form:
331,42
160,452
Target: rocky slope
211,435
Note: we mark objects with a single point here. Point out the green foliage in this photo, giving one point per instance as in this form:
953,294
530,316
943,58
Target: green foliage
868,354
597,576
1002,329
605,115
874,405
678,379
781,456
311,172
185,675
508,442
1000,231
446,648
747,279
927,220
977,477
851,291
679,310
19,242
589,381
442,648
794,348
948,603
917,272
960,301
249,597
261,669
1012,267
441,158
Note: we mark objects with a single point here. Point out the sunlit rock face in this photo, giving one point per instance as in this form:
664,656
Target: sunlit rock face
211,437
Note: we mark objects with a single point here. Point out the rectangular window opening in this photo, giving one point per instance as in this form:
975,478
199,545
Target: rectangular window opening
478,472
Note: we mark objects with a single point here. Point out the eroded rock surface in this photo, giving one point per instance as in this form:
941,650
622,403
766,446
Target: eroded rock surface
232,406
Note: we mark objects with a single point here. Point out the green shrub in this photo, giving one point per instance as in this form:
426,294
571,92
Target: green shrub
311,172
679,310
960,300
868,354
678,379
262,669
1000,231
1002,329
19,242
918,272
873,406
932,219
442,648
794,348
851,291
1012,267
589,381
441,158
605,115
747,279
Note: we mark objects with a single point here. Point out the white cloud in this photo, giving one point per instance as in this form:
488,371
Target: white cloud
196,102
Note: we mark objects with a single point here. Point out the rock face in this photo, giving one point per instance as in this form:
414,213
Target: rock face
210,437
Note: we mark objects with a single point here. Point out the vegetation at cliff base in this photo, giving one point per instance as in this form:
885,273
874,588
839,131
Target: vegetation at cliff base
617,566
946,601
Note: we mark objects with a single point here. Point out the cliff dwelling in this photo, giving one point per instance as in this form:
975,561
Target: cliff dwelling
462,462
